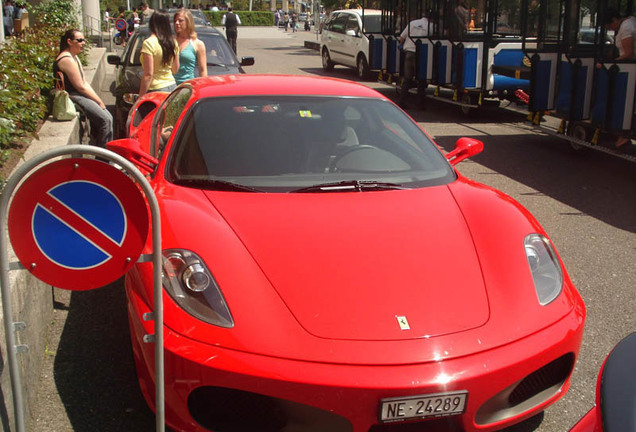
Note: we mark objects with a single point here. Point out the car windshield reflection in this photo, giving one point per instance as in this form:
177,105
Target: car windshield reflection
294,143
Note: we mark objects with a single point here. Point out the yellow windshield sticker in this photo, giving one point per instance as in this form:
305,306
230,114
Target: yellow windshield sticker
304,113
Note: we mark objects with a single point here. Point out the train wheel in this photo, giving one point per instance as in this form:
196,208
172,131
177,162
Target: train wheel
580,132
466,99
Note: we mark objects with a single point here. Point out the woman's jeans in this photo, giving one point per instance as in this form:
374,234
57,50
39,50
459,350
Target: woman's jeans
101,120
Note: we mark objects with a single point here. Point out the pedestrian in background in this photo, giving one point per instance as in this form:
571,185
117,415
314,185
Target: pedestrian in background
146,13
416,28
294,22
625,40
8,18
107,19
123,33
625,33
136,20
159,56
82,94
21,10
192,54
231,21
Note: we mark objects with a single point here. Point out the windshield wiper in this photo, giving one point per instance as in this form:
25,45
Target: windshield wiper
217,185
217,64
350,186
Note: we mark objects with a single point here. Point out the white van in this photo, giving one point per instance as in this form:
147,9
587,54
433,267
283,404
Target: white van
344,41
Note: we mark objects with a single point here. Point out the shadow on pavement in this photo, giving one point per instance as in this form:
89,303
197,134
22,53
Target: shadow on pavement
591,182
94,367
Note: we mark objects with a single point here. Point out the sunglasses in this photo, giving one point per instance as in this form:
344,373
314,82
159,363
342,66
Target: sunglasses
80,40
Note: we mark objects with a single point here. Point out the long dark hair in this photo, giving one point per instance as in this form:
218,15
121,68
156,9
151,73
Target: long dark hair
68,34
160,25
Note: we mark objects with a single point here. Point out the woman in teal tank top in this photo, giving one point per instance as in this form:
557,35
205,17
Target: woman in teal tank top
191,50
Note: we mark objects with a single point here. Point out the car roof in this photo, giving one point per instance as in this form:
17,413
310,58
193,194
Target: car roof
264,84
361,11
199,29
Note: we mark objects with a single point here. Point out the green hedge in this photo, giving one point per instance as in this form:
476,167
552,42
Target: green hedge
248,18
26,77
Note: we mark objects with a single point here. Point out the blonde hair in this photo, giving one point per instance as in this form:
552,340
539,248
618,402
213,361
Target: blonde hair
189,21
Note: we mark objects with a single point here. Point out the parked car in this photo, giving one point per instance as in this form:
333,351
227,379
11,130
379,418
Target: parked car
342,277
344,39
220,58
199,17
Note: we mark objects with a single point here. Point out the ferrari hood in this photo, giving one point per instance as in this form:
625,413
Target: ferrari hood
389,265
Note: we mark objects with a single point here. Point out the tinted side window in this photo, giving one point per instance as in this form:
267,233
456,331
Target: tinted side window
352,24
329,21
166,119
135,50
339,24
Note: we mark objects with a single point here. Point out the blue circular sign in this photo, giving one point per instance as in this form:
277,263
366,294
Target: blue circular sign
78,223
64,244
120,24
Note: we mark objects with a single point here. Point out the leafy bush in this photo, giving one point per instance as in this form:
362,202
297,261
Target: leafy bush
60,14
247,18
26,62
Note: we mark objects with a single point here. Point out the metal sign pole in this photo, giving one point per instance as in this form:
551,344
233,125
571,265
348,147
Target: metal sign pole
11,327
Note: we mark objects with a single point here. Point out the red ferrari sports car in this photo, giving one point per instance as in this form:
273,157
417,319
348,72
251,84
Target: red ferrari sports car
327,269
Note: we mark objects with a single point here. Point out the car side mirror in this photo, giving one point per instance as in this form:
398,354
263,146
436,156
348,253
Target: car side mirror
113,59
464,148
247,61
351,33
130,98
131,149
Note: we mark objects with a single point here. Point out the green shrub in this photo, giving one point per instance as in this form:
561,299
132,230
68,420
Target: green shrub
258,18
26,62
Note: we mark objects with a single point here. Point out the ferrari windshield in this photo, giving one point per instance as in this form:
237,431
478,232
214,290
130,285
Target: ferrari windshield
301,143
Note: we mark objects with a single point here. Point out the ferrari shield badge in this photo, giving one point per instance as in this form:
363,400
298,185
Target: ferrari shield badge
403,322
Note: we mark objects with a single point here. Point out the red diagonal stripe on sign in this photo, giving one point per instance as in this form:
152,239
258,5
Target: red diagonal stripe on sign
79,224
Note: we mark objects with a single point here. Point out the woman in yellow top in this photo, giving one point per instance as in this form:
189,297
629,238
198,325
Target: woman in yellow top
159,56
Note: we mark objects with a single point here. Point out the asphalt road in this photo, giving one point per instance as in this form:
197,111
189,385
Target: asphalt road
585,200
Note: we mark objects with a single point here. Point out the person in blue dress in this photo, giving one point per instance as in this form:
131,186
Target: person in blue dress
192,55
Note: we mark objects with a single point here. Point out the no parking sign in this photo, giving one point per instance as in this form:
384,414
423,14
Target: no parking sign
78,223
120,24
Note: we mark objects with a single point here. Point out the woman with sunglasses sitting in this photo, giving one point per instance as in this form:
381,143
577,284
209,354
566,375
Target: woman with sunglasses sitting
81,93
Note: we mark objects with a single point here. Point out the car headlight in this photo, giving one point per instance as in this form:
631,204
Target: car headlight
545,268
192,286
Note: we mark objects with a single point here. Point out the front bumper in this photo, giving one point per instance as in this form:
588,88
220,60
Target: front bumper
209,387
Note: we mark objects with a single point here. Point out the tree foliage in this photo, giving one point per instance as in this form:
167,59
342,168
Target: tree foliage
26,61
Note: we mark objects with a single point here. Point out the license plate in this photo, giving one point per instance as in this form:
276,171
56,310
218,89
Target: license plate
433,405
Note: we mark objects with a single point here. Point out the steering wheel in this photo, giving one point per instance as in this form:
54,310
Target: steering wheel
333,165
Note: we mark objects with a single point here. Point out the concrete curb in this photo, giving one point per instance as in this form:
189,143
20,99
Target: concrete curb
32,299
312,45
